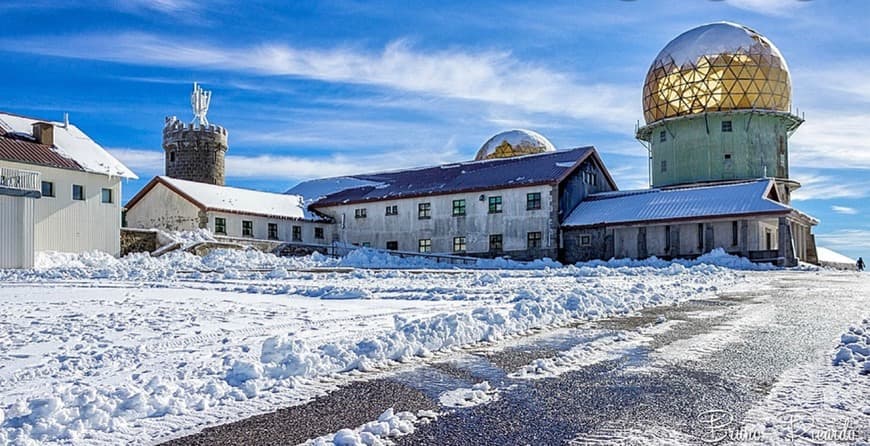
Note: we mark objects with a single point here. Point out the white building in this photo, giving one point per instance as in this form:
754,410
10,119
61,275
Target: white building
178,205
59,191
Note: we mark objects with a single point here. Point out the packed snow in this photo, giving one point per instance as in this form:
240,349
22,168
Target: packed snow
98,350
480,393
389,425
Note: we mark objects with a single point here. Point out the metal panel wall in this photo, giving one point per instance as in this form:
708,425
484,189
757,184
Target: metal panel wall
16,232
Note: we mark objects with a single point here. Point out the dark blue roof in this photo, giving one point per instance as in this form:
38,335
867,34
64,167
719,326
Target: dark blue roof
548,167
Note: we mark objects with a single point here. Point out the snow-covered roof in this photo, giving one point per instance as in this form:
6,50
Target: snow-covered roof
647,205
72,143
519,171
830,256
235,200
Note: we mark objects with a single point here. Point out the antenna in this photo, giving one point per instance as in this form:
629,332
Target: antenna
200,100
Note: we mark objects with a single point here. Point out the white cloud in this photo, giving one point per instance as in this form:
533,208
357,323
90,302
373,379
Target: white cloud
769,7
493,77
832,140
826,187
848,241
844,210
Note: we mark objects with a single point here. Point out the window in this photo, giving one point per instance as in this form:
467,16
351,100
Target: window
726,126
393,245
273,231
700,236
533,201
78,192
424,245
664,165
172,156
247,228
663,136
458,208
667,238
458,244
534,240
47,189
585,240
727,156
366,244
297,233
590,178
318,233
735,233
220,225
392,210
106,195
495,242
424,211
359,213
494,205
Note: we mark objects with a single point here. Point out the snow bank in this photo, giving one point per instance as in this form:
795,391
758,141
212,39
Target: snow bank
716,257
833,259
854,348
389,425
480,393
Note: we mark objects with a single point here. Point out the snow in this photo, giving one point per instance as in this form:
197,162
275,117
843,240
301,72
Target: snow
480,393
71,142
829,257
664,204
314,190
98,350
245,201
389,425
854,348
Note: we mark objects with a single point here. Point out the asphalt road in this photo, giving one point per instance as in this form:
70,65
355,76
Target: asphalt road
724,354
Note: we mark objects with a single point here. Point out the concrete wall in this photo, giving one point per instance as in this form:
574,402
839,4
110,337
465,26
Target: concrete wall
514,222
162,208
64,224
261,227
695,147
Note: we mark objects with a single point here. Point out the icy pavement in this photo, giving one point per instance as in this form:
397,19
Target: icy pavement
95,350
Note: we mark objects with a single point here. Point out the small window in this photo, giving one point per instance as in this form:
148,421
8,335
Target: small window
78,192
590,178
735,233
366,244
392,210
727,156
172,156
585,240
273,231
359,213
458,208
424,245
495,205
106,196
393,245
663,136
318,233
220,225
664,165
47,189
495,242
247,228
424,211
458,244
297,233
533,201
726,126
534,240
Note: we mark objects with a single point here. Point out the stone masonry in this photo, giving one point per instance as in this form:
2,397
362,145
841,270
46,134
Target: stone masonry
194,152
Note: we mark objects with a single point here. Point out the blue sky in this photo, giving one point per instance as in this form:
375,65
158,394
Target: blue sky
312,89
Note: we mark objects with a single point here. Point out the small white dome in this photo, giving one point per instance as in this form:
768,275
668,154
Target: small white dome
514,143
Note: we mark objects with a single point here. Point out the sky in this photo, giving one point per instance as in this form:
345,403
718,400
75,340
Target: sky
325,88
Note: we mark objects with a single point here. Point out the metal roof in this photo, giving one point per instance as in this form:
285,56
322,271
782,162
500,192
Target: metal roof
548,167
649,205
26,152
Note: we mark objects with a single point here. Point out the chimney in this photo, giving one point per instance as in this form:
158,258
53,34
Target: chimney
44,133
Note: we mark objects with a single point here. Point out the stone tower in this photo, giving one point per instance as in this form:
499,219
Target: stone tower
195,151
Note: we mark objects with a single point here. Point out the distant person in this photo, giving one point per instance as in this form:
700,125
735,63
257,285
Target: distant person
860,264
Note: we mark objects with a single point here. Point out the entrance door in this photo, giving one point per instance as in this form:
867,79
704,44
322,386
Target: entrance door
768,238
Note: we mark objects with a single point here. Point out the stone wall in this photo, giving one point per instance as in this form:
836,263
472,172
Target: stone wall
195,153
138,240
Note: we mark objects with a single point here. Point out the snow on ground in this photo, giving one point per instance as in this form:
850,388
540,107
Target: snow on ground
480,393
829,257
97,350
379,432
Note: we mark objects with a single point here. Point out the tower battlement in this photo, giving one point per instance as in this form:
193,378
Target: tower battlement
195,152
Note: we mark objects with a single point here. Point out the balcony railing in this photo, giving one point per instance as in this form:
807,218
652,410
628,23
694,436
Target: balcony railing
26,180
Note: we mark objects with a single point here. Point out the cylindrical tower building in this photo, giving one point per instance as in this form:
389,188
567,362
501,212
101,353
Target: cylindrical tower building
717,106
195,152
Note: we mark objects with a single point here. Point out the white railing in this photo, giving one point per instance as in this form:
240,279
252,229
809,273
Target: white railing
19,179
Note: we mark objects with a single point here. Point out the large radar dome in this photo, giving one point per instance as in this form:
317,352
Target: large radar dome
514,143
716,67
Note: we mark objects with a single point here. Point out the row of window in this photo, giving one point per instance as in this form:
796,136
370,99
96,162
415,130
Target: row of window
726,127
78,192
424,210
496,243
735,235
220,227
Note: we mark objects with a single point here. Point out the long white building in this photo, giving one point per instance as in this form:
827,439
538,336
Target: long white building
59,191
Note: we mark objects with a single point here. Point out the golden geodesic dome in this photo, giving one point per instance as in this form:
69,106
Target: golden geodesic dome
716,67
514,143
